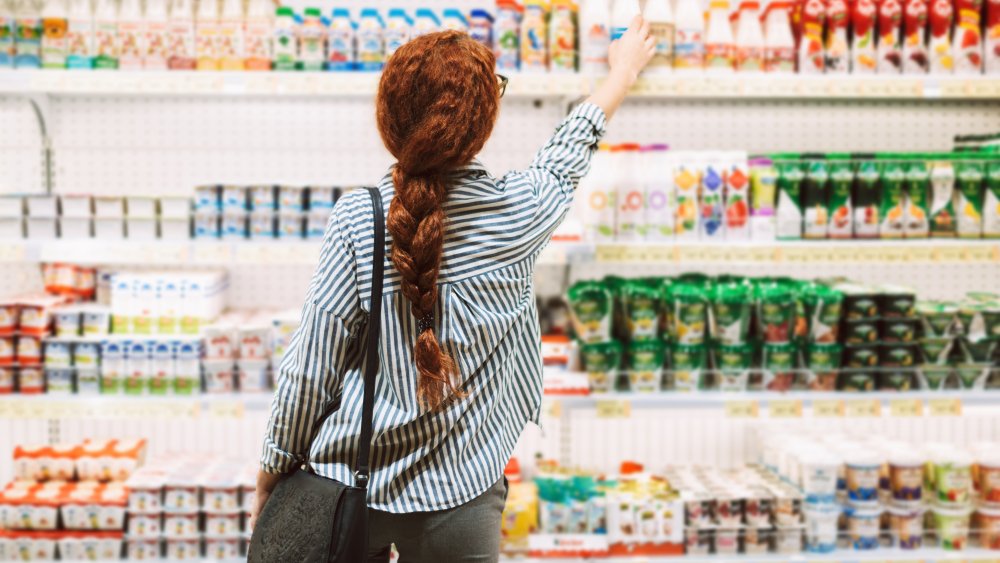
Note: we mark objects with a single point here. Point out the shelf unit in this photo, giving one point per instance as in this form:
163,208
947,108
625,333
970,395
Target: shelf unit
840,556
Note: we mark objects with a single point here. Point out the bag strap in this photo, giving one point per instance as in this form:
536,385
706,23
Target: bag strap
362,468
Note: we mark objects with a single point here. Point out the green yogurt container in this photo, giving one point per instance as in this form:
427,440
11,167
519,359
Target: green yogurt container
936,376
936,350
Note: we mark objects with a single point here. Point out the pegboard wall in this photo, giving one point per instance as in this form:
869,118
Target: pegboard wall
168,145
22,162
758,126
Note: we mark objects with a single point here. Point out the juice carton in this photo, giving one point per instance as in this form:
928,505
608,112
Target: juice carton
6,38
713,205
992,36
915,60
737,180
864,55
562,37
687,179
763,187
54,33
839,211
918,187
631,192
789,204
534,57
837,56
991,201
28,41
313,36
371,44
811,55
815,199
969,198
598,199
967,43
508,39
892,208
661,200
942,216
941,16
285,44
206,33
866,196
890,31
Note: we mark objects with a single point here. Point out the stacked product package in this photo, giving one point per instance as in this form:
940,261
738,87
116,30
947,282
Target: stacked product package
81,217
185,506
731,333
263,212
67,501
869,492
651,194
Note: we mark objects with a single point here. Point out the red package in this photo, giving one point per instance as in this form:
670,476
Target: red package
837,55
993,36
914,37
863,53
890,30
810,53
941,17
968,40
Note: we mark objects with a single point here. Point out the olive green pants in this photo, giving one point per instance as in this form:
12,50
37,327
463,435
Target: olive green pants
466,533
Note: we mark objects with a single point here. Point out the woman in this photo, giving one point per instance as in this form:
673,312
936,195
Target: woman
461,372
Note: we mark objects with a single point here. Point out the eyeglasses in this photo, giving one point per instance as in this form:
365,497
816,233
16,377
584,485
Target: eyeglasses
502,80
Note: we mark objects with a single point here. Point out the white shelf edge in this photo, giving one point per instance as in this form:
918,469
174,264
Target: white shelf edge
922,555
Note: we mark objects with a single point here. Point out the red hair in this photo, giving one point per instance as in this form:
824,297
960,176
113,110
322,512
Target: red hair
437,102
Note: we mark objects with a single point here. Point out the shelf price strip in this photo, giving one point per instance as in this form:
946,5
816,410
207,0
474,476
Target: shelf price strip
944,407
613,409
828,408
785,408
742,409
906,407
862,408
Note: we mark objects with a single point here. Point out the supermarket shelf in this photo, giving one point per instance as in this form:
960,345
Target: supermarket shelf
226,406
320,84
924,555
809,399
212,252
180,83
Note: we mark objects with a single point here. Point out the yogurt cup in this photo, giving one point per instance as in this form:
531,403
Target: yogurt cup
906,479
142,549
221,498
821,527
989,528
68,322
143,524
234,224
818,477
181,496
788,540
86,354
262,225
862,473
758,510
254,375
9,313
863,527
7,350
96,321
222,523
262,198
29,350
222,548
907,527
989,480
729,512
206,224
727,541
7,377
936,377
698,541
183,549
180,524
58,354
953,479
952,527
757,540
291,198
218,376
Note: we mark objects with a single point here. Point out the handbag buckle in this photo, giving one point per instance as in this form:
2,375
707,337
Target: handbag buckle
361,479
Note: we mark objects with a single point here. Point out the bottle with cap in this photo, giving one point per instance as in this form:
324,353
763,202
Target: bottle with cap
534,32
230,39
749,52
285,47
660,17
595,36
454,20
79,36
426,22
481,27
779,44
562,37
719,44
257,35
508,35
55,27
371,40
622,13
106,44
312,39
340,40
156,34
131,35
398,30
180,36
689,37
207,35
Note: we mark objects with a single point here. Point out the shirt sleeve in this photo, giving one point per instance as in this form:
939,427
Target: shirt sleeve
322,349
561,163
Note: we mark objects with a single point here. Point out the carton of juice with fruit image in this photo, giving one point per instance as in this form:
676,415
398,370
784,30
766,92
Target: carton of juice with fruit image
864,55
969,198
968,38
763,189
687,179
993,37
991,201
942,216
892,209
837,55
713,205
915,37
737,178
866,197
814,198
941,16
788,210
918,187
839,210
812,59
890,28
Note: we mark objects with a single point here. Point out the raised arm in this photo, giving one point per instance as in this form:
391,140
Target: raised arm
627,57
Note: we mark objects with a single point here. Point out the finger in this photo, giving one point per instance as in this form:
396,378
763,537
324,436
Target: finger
650,43
636,22
644,29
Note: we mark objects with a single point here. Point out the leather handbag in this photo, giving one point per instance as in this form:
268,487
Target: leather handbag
309,518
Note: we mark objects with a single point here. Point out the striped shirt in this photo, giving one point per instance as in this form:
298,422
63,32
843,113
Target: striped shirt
485,318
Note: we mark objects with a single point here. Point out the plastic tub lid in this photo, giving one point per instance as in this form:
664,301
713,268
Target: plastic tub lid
954,457
906,459
861,458
991,512
911,511
952,510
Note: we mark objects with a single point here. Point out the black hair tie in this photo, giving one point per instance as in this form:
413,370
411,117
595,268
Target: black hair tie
425,322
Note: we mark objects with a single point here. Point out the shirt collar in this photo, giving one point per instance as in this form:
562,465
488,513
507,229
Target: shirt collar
473,168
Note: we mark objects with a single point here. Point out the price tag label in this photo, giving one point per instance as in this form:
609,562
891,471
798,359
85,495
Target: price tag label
609,253
796,255
978,253
226,409
714,254
948,254
613,409
742,409
659,254
921,254
828,408
553,408
906,407
791,408
945,407
894,254
863,408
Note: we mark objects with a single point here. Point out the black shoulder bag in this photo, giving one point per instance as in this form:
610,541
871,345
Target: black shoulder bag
312,519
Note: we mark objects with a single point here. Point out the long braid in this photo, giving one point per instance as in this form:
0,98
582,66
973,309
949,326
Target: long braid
437,103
